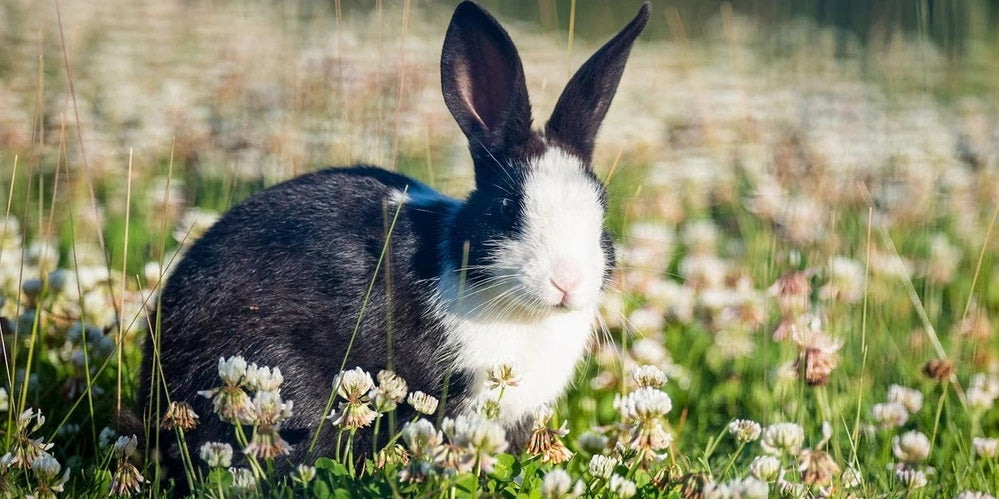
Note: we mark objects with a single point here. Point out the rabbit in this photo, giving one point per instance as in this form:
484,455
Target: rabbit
511,274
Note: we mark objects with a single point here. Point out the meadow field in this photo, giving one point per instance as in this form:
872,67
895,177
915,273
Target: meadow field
807,286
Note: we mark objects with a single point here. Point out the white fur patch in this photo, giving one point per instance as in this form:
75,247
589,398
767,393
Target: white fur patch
517,315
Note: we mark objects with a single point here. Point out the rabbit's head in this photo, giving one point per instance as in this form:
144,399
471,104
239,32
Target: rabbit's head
531,235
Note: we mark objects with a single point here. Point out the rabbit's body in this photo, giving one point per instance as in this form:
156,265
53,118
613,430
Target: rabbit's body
511,274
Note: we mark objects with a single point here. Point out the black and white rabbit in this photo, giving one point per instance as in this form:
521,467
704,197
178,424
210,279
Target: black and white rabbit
280,279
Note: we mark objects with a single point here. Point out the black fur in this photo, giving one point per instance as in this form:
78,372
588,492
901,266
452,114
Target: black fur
281,278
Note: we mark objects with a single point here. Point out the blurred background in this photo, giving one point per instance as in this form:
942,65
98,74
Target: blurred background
791,109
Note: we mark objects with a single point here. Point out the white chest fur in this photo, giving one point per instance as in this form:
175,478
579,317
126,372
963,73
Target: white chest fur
544,352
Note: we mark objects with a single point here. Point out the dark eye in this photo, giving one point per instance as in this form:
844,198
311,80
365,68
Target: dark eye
507,207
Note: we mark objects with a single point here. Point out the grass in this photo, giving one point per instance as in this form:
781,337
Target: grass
868,193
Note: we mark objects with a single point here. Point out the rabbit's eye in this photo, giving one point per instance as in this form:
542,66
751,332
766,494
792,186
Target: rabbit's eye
507,207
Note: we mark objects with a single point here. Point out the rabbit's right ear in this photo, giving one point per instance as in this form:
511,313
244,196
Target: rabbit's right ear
483,83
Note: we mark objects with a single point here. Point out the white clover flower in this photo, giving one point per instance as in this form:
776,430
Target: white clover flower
46,468
243,479
125,447
845,280
556,484
912,447
423,403
979,399
232,370
974,495
744,430
4,400
304,474
603,466
645,404
392,387
714,490
748,488
910,478
783,438
502,376
850,478
908,397
106,437
985,447
591,442
421,437
193,225
263,378
648,376
765,468
890,415
216,454
479,437
622,487
354,384
545,441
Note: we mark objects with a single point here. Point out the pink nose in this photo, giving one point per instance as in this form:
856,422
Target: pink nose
565,279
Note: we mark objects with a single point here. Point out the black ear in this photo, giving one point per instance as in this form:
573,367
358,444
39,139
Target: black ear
483,83
585,100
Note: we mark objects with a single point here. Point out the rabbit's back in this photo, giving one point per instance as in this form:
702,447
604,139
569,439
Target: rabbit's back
281,279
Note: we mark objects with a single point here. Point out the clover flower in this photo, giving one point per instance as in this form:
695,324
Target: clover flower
910,478
782,438
216,454
987,448
793,292
974,495
644,409
622,487
179,415
744,430
478,438
911,399
890,415
603,466
647,376
501,376
269,412
422,403
263,378
765,468
46,470
230,401
912,447
592,442
243,480
817,467
421,438
819,353
558,484
303,474
127,479
547,442
24,449
389,393
353,386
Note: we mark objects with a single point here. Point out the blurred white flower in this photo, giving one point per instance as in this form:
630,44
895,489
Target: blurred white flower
622,487
987,448
782,438
908,397
216,454
602,466
912,447
890,415
765,468
744,430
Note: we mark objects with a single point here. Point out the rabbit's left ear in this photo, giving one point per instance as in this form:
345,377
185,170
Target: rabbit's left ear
586,98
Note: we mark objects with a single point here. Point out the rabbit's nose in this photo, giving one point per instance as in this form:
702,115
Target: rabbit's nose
566,279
